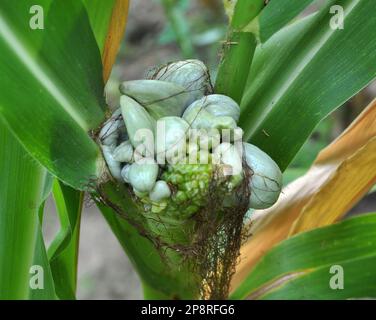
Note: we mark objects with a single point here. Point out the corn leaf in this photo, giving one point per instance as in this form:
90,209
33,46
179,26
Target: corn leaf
63,252
342,173
20,194
40,258
52,87
301,267
64,249
40,254
108,20
277,14
304,72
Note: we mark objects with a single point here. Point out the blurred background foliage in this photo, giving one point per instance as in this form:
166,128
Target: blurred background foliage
160,31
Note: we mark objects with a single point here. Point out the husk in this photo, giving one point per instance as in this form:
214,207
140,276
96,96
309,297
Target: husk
207,243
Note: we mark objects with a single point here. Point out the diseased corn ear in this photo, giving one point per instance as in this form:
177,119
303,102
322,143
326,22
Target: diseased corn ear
165,100
196,206
193,75
266,179
159,98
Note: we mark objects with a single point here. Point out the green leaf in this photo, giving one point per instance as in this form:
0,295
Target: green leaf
41,259
63,252
52,87
299,268
47,189
303,73
20,192
277,14
40,254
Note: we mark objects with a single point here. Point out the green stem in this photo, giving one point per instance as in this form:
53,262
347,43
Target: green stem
238,51
168,278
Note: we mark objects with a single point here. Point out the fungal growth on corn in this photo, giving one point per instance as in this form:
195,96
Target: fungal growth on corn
177,148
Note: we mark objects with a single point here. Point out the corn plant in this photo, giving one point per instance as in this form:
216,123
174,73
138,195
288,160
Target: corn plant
210,230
